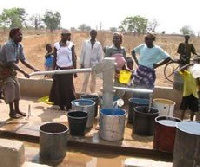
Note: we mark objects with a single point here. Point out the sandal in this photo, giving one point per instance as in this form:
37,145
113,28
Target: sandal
14,115
22,113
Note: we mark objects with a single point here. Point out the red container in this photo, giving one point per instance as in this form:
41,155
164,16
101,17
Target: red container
164,133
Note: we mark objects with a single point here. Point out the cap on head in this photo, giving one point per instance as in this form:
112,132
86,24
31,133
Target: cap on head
187,35
150,35
64,31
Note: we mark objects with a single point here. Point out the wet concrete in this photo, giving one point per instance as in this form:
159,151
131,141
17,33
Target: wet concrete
27,128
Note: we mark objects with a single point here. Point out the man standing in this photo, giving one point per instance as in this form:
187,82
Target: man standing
91,54
185,49
10,55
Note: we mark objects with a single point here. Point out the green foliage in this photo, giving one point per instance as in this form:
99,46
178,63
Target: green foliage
186,30
134,24
84,27
113,29
14,17
52,20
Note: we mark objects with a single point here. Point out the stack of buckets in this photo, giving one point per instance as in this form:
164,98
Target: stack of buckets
142,116
165,125
84,111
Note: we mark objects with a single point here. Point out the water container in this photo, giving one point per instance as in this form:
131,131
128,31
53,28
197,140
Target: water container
77,122
134,102
124,76
178,81
112,124
87,106
165,106
53,140
187,145
144,120
95,99
164,133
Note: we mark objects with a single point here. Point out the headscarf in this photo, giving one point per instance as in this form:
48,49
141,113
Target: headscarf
150,35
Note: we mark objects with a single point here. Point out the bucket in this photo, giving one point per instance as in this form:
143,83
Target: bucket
134,102
124,76
87,106
177,81
53,140
165,106
112,124
95,99
144,120
187,145
164,133
77,122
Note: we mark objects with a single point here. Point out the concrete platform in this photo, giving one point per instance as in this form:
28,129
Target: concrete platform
27,128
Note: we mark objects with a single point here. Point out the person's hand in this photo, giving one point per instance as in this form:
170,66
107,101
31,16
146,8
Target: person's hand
75,75
176,61
26,74
155,66
35,70
82,66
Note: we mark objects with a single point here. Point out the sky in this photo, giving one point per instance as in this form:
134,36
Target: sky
171,15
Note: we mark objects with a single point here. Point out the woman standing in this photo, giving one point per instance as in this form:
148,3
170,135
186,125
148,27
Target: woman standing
62,91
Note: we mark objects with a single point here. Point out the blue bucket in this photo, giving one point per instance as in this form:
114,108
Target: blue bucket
134,102
112,124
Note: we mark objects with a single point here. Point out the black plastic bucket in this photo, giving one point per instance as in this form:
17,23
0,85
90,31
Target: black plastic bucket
77,122
53,141
95,99
144,120
134,102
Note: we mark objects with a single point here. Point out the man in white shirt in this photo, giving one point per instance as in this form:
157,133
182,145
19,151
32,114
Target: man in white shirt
91,54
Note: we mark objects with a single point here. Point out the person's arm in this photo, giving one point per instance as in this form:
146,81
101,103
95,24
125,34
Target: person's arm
28,65
54,58
82,55
100,54
194,50
12,65
74,58
165,61
134,57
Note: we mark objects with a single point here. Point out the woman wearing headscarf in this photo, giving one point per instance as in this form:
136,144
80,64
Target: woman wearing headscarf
62,91
150,57
11,54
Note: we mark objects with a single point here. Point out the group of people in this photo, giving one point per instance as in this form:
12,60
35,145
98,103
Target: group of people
62,56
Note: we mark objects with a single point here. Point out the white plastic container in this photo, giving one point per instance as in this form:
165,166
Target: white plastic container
164,106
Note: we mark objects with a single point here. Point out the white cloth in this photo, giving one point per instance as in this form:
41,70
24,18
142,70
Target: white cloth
64,54
195,70
91,56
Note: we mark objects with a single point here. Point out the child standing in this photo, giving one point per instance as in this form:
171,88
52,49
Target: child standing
49,58
190,93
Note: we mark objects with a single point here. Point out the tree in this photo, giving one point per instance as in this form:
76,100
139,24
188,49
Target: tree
152,25
52,20
36,21
186,30
113,29
84,27
134,24
14,17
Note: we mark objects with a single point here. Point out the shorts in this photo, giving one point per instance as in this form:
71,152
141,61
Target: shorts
189,102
